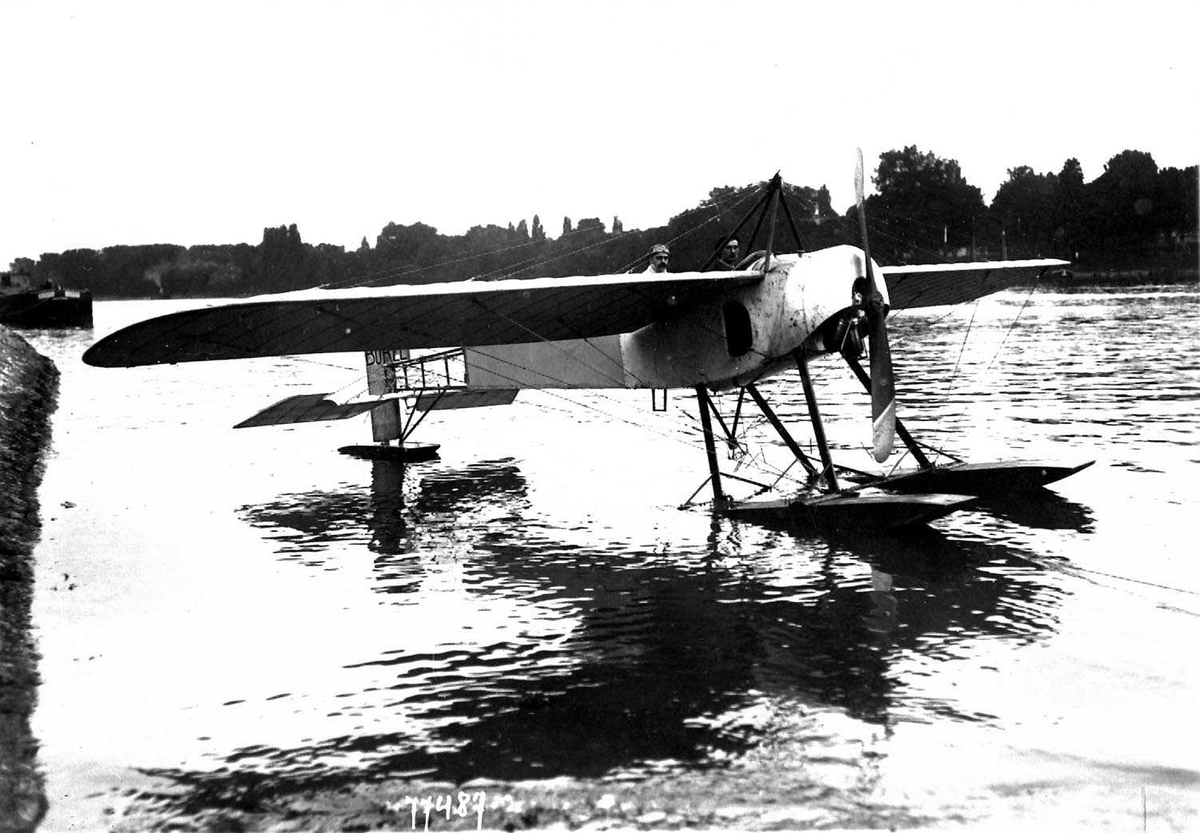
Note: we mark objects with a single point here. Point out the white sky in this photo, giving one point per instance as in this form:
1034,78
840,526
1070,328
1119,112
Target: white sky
130,123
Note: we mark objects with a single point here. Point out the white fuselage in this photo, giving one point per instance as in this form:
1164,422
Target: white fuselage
744,336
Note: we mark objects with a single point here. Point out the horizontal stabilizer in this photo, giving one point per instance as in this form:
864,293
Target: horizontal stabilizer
957,283
453,399
307,407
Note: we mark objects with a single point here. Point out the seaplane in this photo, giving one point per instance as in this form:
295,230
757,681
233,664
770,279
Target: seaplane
481,342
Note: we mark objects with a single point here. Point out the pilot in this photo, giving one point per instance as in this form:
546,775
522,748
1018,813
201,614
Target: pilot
729,256
660,256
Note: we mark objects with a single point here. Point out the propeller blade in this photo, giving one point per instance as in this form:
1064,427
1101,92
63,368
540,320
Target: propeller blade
883,386
883,390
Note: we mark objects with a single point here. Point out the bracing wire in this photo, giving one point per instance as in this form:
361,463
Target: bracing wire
1012,324
961,350
393,275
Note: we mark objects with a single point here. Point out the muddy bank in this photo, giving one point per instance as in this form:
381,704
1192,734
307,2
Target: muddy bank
28,387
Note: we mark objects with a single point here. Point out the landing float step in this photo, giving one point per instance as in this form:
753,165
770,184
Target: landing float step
849,511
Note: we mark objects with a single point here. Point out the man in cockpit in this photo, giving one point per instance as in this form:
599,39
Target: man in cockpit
660,256
729,256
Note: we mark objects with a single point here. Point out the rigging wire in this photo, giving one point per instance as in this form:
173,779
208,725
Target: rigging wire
395,274
1011,326
961,350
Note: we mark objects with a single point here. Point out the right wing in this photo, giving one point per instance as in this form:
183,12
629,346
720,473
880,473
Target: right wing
954,283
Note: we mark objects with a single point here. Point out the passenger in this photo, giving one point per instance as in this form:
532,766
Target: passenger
729,256
660,256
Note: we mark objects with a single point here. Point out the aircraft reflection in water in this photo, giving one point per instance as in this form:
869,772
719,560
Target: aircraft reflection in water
1040,510
672,651
310,522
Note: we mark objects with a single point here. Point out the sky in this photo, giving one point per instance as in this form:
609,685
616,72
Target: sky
128,123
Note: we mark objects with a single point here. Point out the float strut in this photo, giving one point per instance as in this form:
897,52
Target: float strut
814,416
783,432
710,447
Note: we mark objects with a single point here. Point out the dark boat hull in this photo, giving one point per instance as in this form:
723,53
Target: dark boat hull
46,308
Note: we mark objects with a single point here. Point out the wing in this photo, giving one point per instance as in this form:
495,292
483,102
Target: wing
462,314
954,283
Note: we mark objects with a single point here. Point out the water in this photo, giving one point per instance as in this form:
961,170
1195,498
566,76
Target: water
246,620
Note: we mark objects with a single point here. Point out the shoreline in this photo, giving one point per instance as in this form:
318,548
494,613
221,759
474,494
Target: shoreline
1121,277
28,394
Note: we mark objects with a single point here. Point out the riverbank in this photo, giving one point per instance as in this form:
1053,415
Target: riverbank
1120,277
28,391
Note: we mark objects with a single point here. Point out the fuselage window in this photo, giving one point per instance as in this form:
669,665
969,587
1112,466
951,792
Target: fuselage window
739,336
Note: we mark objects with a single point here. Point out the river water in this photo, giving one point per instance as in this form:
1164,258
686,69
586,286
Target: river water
248,622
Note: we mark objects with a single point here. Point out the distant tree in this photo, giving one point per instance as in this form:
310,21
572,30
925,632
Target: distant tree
566,225
493,249
1024,208
22,266
824,206
537,233
590,224
136,271
282,260
1123,197
926,204
78,267
486,238
724,194
1175,203
187,277
400,247
617,226
1068,208
1131,169
522,231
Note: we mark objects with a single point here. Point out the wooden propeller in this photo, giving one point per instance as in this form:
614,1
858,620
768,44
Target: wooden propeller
883,386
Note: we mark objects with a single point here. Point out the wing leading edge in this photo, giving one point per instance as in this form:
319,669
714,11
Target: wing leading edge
956,283
462,314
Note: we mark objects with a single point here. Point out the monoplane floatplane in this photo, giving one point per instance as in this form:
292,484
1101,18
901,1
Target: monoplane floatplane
481,342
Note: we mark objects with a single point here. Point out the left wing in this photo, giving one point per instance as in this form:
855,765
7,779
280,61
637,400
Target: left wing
954,283
461,314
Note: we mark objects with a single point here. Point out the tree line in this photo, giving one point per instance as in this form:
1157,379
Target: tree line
1133,216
